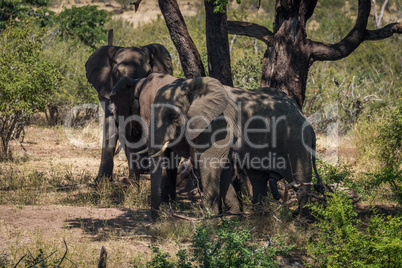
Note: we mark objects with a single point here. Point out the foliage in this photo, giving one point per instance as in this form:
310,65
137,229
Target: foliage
247,72
380,152
69,58
232,247
26,81
221,4
40,260
4,260
341,239
18,11
159,259
390,145
334,173
227,246
85,23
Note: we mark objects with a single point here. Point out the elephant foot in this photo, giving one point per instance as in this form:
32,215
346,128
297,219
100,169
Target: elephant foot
273,185
303,216
155,214
100,179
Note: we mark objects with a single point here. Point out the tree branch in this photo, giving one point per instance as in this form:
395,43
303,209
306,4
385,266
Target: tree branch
324,51
252,30
385,32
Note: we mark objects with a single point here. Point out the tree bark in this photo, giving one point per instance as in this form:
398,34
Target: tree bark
190,58
286,63
217,44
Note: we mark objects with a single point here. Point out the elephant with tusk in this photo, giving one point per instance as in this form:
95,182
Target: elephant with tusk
262,131
132,102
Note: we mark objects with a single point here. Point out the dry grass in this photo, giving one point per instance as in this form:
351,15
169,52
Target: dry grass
146,13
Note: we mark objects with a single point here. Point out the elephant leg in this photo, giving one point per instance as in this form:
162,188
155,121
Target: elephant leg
210,176
258,180
228,191
273,184
169,177
302,176
303,197
108,149
134,169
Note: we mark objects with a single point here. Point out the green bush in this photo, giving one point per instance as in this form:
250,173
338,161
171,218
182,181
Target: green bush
18,11
85,23
340,239
334,174
230,245
389,142
246,72
378,141
27,81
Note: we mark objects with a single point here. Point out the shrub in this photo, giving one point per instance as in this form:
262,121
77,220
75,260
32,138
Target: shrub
390,144
229,245
85,23
247,72
26,81
17,11
342,240
380,151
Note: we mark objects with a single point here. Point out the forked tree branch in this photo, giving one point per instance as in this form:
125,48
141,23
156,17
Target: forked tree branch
324,51
252,30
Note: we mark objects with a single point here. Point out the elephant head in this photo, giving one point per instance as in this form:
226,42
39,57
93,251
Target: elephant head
185,114
107,65
104,68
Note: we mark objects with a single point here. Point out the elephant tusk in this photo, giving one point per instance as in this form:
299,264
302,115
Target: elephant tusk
143,151
293,184
162,150
113,135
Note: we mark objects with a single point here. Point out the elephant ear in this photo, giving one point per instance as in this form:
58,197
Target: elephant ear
99,70
208,99
159,58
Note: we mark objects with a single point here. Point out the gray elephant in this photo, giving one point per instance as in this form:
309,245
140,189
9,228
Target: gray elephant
132,100
263,131
104,68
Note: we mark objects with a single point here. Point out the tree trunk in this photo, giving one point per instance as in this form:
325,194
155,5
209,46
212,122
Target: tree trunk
190,58
286,63
217,44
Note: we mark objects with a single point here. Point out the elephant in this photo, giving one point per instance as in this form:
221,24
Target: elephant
104,68
132,100
262,131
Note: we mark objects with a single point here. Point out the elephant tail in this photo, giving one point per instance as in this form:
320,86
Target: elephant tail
319,186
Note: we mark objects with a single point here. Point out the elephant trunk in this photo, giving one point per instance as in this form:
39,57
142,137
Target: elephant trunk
108,147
